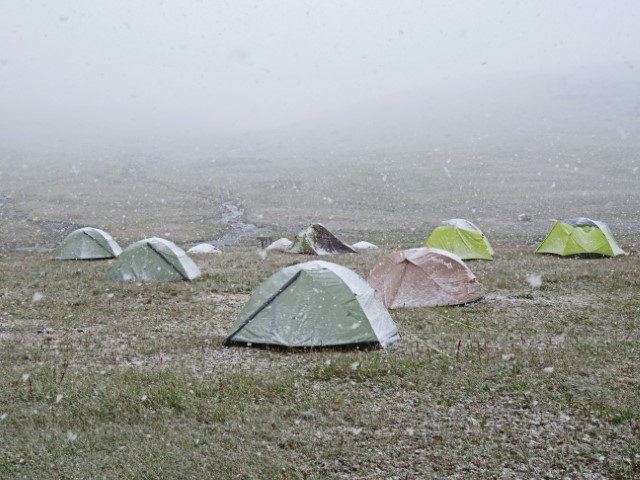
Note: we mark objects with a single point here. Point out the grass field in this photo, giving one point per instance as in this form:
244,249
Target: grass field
130,380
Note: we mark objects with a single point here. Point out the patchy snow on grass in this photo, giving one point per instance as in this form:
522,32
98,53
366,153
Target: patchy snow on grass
364,246
534,280
204,248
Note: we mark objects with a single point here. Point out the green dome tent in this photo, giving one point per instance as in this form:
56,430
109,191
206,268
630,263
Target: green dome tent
580,236
87,243
462,238
154,259
317,240
314,304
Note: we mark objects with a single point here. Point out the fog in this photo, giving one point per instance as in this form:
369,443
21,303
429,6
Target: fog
113,72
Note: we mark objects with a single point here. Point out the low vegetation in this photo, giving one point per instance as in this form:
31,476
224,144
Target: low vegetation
105,379
130,380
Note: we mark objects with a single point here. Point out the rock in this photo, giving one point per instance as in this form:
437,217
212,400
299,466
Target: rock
204,248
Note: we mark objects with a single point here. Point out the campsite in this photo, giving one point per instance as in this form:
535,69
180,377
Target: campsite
301,240
538,378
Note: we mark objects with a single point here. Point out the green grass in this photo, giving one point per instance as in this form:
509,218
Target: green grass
105,379
130,380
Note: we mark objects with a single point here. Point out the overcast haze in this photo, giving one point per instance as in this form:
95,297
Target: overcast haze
147,67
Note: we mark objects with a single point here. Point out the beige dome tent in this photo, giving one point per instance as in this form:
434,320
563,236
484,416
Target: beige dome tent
424,277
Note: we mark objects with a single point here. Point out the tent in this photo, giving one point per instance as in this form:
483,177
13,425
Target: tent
424,277
153,259
462,238
580,236
87,244
317,240
314,304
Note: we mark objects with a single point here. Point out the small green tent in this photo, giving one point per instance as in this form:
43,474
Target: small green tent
462,238
154,259
580,236
314,304
317,240
87,243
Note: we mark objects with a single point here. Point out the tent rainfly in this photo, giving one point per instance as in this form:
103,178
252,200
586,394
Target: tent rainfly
87,243
580,236
153,259
317,240
424,277
462,238
314,304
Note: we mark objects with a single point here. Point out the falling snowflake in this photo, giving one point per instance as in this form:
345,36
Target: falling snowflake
534,280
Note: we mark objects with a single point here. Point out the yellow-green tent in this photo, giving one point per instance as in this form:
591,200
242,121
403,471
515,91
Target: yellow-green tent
462,238
580,236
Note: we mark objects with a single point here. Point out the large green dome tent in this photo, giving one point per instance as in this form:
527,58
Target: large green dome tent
87,243
154,259
462,238
580,236
314,304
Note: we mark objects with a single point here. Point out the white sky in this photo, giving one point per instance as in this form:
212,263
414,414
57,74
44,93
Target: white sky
247,64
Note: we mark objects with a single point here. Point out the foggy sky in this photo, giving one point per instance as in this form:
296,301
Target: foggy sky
121,65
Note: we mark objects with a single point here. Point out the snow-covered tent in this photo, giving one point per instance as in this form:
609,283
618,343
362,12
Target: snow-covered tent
87,243
424,277
580,236
314,304
154,259
462,238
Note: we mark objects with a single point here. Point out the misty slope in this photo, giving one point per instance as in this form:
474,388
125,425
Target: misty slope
580,107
